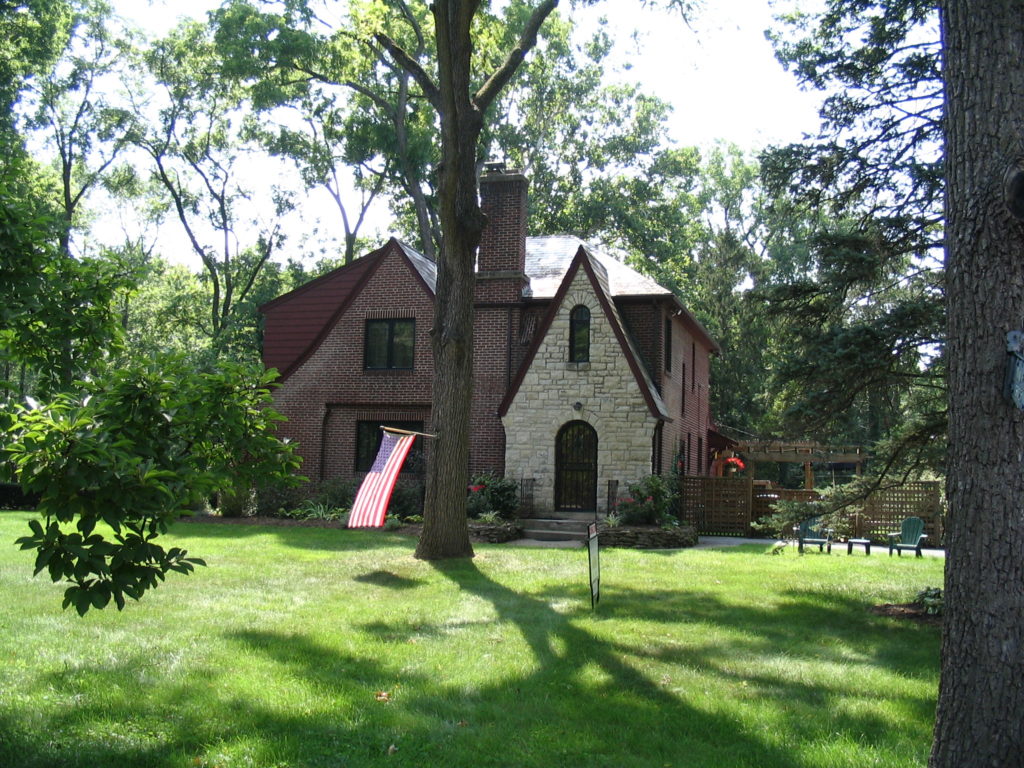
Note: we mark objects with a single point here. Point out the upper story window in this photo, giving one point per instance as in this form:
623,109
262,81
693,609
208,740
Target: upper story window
388,344
579,334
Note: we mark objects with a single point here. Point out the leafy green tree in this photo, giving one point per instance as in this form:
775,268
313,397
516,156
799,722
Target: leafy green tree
71,109
58,317
197,149
862,301
461,95
146,443
34,33
880,149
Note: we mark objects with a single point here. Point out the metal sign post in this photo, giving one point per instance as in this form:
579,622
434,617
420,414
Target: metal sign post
595,565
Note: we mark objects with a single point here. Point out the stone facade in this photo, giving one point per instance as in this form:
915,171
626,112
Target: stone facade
606,390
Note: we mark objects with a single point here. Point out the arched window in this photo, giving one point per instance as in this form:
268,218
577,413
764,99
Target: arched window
579,334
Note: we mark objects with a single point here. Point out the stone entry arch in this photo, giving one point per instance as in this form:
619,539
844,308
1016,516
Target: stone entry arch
576,468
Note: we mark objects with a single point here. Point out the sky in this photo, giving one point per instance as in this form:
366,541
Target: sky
718,71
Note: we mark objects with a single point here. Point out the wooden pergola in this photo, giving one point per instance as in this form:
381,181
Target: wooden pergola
801,452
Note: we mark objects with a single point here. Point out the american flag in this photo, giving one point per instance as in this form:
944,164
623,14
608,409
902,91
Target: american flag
371,504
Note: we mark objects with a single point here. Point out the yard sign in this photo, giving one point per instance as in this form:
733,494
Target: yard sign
595,565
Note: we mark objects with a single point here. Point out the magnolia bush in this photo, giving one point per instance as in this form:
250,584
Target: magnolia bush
113,467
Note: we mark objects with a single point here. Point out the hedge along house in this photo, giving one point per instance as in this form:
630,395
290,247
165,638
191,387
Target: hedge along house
585,371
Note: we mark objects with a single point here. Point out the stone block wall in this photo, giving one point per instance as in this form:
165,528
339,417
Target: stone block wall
610,401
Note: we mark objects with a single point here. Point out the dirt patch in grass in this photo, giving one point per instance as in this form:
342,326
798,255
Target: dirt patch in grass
910,611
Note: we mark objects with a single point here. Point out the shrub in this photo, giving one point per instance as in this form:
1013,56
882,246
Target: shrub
316,510
147,443
336,492
651,501
489,493
406,501
931,598
277,499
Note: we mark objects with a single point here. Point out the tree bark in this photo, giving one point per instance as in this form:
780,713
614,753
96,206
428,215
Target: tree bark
445,533
980,718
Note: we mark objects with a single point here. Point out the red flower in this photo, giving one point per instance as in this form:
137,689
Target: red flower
475,488
735,461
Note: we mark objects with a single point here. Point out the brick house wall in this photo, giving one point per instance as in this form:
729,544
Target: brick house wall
315,335
330,391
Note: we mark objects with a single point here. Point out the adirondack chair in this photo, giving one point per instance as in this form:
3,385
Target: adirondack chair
910,537
811,532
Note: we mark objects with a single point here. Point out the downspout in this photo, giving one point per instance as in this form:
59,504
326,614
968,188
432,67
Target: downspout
323,442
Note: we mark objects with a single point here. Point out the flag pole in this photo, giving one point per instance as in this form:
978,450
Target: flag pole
406,432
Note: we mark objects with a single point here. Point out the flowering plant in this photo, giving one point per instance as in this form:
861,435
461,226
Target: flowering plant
736,463
488,493
650,502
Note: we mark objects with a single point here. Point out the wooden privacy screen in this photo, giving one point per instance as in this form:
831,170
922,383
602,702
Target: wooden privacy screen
726,506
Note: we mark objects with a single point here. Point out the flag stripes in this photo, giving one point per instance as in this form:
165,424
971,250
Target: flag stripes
371,504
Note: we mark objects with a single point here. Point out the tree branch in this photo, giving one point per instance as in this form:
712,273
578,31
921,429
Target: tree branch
527,40
410,65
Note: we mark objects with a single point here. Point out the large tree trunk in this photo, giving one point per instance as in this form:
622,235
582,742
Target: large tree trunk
445,533
980,719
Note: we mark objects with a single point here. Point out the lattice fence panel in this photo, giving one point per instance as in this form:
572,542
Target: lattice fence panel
725,506
765,498
717,506
886,510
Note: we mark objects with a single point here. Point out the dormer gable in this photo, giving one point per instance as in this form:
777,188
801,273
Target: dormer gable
297,322
596,276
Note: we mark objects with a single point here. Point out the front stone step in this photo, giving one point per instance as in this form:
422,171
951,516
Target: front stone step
551,529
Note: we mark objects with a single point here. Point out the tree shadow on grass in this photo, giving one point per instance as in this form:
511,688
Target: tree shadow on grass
806,630
388,579
579,694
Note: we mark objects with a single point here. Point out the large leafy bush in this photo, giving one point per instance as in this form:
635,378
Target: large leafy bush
113,468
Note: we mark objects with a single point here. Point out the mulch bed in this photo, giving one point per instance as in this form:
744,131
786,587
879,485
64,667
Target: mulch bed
910,611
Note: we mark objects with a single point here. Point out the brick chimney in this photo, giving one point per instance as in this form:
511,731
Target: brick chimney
501,258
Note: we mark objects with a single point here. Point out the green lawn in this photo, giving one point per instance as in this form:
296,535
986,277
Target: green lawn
319,647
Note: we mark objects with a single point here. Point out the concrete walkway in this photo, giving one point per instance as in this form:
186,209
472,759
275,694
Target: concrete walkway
717,542
714,542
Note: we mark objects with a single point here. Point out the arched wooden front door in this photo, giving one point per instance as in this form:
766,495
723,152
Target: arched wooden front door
576,468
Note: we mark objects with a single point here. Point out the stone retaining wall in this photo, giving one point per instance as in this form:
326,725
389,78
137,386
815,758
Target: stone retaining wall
647,537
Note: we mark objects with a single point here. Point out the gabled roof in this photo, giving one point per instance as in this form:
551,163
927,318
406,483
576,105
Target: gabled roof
548,258
598,275
300,319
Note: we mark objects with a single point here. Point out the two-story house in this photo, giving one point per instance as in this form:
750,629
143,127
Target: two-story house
585,370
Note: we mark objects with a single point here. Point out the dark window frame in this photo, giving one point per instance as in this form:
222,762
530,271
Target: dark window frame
369,432
579,348
389,354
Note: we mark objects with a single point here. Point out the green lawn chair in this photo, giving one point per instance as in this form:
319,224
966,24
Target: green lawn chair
910,537
811,532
